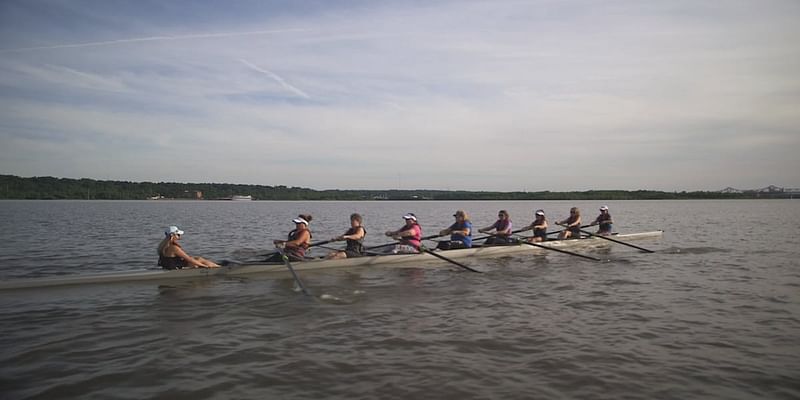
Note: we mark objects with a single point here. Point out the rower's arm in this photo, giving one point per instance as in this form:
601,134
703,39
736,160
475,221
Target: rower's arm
189,259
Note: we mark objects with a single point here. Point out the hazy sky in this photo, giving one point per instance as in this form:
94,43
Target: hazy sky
474,95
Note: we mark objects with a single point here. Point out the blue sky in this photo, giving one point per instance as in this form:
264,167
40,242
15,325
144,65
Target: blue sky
473,95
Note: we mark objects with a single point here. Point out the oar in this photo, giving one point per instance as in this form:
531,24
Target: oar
494,234
558,250
394,243
431,252
267,255
289,266
620,242
554,232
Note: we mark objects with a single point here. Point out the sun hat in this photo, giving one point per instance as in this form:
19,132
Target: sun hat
410,216
299,220
539,212
603,208
173,230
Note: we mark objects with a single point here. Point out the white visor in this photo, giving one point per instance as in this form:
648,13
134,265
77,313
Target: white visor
540,212
173,230
410,216
299,220
604,208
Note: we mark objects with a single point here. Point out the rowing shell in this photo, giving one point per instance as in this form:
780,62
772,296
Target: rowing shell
315,264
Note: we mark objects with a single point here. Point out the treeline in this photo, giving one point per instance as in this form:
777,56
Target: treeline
49,188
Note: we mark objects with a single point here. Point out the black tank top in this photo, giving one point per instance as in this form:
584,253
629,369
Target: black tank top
356,246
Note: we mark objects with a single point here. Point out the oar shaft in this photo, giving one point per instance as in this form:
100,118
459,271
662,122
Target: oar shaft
617,241
431,252
394,243
268,255
491,235
562,230
561,251
294,274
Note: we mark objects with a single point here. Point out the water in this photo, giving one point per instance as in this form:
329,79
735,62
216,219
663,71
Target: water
714,313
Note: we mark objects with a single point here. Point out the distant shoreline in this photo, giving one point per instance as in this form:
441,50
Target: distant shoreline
50,188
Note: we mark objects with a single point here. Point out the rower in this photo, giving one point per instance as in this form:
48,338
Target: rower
172,256
572,225
605,222
298,241
460,233
355,240
539,226
502,229
409,236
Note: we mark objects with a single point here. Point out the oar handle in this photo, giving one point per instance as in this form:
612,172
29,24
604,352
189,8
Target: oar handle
268,255
562,230
394,243
495,234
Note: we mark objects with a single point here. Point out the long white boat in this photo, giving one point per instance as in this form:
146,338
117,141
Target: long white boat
412,260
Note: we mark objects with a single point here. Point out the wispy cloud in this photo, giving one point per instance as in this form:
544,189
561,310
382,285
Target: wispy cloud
277,78
151,39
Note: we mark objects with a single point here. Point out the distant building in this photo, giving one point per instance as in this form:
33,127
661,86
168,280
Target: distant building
198,195
770,189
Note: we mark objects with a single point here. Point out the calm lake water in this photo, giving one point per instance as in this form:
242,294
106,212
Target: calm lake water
713,313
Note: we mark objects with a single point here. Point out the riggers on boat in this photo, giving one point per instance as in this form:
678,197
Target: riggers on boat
392,260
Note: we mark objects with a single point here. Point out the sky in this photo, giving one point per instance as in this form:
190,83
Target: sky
454,95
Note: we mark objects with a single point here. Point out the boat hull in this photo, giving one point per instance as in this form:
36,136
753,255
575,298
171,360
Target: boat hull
412,260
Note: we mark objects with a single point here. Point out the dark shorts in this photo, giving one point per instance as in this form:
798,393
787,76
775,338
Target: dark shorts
276,258
500,240
353,254
451,245
172,263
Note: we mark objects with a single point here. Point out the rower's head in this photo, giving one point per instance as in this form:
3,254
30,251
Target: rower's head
461,215
603,209
173,231
502,214
574,211
355,220
302,221
539,214
410,218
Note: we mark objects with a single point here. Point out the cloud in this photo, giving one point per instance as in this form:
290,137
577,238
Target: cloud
467,95
277,78
150,39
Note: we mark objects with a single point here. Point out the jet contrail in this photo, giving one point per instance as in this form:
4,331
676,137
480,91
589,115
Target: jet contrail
150,39
276,78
